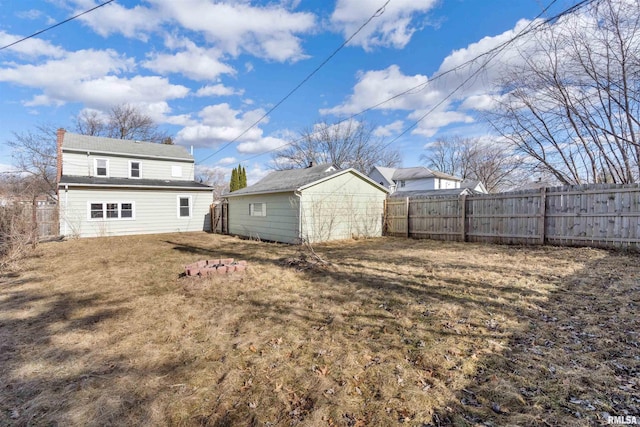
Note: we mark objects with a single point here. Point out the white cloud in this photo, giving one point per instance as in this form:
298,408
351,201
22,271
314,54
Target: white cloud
392,28
90,77
114,18
218,90
390,129
263,145
225,161
235,27
436,120
195,62
374,87
32,47
29,14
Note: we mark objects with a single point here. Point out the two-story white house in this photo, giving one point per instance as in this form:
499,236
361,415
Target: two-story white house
110,187
413,179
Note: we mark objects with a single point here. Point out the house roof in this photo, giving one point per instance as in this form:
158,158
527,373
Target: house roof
387,173
474,185
420,172
296,180
98,144
87,181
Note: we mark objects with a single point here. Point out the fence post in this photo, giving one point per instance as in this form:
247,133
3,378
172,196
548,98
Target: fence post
543,214
462,202
407,216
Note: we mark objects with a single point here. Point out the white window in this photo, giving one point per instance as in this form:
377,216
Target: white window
135,169
176,171
184,206
257,209
101,167
111,210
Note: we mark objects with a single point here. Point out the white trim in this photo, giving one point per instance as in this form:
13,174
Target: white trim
184,196
139,162
95,167
175,172
104,210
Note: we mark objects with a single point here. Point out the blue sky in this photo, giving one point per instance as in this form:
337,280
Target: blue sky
207,70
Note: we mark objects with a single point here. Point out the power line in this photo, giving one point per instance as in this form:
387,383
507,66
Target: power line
56,25
376,14
527,30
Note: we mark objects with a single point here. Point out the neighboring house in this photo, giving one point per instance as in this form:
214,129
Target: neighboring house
110,187
315,204
477,187
413,179
454,192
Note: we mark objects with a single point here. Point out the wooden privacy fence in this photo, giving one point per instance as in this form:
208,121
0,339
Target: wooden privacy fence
601,215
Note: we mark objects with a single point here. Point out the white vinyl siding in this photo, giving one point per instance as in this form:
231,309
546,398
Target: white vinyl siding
176,171
152,211
344,207
79,164
281,224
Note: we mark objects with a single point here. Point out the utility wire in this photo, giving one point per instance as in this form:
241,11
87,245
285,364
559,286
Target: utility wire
376,14
527,30
56,25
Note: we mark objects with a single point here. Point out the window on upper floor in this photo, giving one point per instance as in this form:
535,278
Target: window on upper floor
135,169
101,167
401,184
176,171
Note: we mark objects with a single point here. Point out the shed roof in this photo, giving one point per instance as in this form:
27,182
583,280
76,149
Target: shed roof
296,179
99,144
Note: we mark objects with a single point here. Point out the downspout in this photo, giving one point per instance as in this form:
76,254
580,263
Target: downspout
299,195
66,202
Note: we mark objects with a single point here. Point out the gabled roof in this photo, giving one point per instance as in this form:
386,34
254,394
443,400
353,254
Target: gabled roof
476,186
387,173
296,180
420,172
90,181
98,144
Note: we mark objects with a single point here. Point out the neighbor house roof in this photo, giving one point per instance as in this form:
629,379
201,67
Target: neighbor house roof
296,179
88,181
420,172
387,173
98,144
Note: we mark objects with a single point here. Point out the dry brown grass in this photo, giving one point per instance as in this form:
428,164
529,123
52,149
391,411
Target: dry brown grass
105,332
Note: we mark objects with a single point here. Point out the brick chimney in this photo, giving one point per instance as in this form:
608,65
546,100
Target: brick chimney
59,139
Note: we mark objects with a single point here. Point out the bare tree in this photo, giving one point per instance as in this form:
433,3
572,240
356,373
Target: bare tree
214,177
349,144
573,106
35,157
491,162
123,121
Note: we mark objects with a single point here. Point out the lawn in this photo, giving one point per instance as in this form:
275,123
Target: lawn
107,332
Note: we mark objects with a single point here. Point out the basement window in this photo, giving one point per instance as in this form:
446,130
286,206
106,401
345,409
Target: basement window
257,209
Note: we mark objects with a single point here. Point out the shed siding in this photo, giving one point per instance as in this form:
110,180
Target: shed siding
279,225
341,208
78,164
155,212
